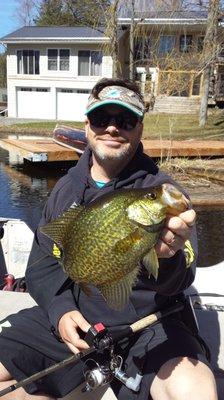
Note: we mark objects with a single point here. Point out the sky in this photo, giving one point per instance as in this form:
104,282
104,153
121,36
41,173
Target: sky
8,22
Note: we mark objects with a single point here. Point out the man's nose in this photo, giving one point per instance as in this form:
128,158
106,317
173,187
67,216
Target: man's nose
112,128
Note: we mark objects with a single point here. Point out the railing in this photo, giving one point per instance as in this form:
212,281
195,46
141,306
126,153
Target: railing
179,83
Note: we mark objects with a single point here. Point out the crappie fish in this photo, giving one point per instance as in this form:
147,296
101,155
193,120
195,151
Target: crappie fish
104,241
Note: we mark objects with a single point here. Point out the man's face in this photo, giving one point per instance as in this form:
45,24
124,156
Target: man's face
113,132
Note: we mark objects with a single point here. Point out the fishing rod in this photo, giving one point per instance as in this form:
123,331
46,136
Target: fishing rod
100,338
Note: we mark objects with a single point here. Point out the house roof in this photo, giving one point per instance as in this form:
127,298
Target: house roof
49,34
154,12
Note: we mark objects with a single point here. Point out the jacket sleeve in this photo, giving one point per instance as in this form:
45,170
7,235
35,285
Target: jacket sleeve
47,283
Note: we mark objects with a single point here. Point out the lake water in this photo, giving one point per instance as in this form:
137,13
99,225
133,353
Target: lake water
25,188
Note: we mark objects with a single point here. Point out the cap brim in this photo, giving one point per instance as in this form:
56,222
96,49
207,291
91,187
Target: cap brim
117,102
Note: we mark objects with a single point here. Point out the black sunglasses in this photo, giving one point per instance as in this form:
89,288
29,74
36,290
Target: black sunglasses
125,120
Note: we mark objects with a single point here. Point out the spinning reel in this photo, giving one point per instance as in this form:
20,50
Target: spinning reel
101,341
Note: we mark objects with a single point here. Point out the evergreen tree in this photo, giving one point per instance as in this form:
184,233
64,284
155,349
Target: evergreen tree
91,13
72,12
54,12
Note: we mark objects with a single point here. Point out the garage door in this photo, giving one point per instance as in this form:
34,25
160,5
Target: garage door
71,104
34,103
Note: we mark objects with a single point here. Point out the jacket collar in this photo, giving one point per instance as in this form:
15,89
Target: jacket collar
138,167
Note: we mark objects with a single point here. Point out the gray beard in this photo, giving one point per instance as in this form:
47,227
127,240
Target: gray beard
121,155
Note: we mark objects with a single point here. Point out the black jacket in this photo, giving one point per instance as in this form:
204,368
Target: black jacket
57,294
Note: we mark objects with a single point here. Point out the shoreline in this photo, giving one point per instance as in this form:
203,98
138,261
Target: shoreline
203,179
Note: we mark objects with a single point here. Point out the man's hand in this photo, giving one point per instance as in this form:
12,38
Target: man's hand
175,233
68,327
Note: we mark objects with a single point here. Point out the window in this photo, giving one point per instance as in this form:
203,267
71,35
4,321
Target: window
67,91
33,89
142,49
90,63
166,44
200,43
26,89
28,62
58,59
42,90
83,91
185,43
196,85
64,59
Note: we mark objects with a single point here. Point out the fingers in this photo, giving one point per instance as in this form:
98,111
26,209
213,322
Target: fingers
176,231
165,250
76,345
68,326
182,224
81,322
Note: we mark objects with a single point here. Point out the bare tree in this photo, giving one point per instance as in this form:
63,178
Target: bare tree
102,16
131,41
112,33
209,54
25,11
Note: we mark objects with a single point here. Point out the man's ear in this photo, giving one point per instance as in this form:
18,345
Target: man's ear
86,126
140,126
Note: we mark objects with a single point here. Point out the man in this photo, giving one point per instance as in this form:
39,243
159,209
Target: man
169,355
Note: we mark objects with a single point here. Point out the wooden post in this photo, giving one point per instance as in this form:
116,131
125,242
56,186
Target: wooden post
209,51
131,43
191,83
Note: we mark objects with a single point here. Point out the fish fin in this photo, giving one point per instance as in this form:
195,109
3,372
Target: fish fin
117,294
151,263
56,230
125,244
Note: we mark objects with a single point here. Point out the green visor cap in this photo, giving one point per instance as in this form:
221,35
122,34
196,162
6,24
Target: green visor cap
117,95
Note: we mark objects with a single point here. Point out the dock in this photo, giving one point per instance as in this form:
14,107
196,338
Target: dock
184,148
39,150
42,150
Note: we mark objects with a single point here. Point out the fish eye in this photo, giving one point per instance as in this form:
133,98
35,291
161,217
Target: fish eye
151,195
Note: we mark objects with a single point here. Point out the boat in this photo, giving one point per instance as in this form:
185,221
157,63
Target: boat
206,294
70,137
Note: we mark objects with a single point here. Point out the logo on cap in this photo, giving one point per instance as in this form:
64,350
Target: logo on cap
114,93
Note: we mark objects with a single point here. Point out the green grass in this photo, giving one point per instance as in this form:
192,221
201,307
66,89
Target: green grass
42,127
169,126
156,126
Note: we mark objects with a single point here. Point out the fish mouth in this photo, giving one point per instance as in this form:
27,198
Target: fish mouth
174,199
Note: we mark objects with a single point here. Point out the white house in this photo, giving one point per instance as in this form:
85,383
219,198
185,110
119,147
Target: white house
51,70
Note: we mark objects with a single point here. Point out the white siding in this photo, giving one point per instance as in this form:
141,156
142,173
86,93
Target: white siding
52,79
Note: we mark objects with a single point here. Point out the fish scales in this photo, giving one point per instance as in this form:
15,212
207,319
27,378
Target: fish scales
113,215
103,242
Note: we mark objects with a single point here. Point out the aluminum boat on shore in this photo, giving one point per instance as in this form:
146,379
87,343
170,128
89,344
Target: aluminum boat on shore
70,137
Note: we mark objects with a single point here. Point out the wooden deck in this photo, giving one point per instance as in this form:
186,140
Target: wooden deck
47,150
39,150
183,148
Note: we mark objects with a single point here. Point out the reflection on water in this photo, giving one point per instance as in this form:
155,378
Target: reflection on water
25,188
210,229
